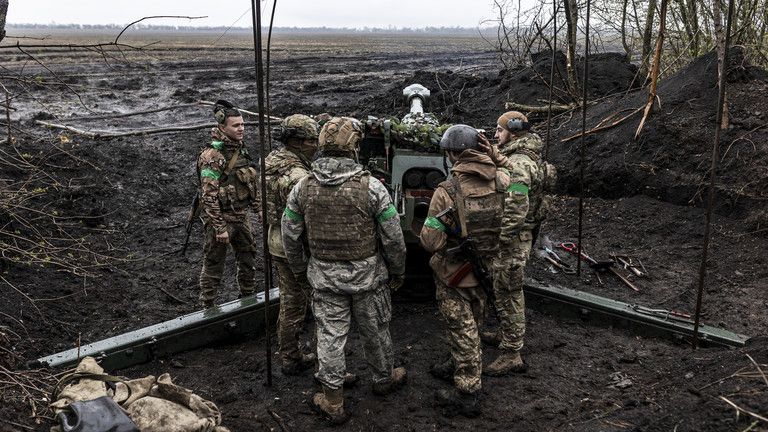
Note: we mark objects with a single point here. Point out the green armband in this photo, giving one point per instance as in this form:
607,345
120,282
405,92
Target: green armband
387,214
292,215
207,172
518,187
434,223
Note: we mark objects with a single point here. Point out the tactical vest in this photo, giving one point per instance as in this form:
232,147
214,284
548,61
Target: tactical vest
339,227
482,213
240,187
278,167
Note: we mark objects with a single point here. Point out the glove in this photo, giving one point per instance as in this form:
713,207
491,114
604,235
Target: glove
395,282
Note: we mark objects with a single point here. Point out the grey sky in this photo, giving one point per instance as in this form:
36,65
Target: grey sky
329,13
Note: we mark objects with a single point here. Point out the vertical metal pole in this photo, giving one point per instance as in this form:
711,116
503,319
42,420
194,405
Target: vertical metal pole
712,170
8,114
256,15
582,147
551,80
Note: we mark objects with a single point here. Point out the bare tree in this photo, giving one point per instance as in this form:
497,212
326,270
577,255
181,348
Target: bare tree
571,21
3,13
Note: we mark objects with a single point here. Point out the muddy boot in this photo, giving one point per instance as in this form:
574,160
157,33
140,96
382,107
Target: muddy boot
443,370
297,366
330,404
506,363
397,380
490,338
456,402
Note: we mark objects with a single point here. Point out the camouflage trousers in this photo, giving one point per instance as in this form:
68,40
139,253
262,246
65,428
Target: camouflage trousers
333,312
215,254
508,272
294,300
463,310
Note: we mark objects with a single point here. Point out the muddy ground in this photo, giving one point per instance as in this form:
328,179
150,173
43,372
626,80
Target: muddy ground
126,199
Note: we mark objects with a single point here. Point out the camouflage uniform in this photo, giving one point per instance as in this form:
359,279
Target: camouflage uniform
354,244
284,169
520,157
225,200
462,303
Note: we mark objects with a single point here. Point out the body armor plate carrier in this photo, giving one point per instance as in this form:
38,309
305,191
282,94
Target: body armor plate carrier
482,214
339,227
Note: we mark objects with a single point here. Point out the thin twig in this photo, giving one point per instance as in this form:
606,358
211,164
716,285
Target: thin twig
739,409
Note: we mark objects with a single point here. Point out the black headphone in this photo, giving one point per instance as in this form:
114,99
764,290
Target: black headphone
223,109
517,125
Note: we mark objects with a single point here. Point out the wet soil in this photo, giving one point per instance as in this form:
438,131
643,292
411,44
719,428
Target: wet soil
128,199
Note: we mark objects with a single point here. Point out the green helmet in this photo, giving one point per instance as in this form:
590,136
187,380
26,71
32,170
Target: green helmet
340,134
297,126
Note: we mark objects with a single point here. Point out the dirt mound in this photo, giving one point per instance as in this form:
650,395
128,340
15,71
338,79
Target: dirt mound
670,159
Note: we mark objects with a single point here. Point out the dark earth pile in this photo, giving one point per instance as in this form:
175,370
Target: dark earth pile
127,198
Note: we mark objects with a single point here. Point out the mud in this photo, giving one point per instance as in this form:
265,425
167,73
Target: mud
128,199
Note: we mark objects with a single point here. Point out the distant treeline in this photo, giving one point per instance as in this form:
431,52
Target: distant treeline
302,30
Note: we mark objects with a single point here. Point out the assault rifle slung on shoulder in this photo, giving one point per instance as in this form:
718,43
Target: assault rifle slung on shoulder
466,251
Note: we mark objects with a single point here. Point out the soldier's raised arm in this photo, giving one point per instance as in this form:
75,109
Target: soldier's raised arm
292,225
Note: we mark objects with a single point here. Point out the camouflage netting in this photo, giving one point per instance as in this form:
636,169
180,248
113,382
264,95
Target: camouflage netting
417,131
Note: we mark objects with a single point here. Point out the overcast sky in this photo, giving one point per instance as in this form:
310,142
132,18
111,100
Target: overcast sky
290,13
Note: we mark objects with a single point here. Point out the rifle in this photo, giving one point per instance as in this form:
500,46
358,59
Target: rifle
466,251
194,212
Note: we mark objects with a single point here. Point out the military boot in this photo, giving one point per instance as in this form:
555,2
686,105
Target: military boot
397,379
456,402
297,366
490,337
506,362
330,404
443,370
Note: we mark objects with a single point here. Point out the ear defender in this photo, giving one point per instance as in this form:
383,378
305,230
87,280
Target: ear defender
514,125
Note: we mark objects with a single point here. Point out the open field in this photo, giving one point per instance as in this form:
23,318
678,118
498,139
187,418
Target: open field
126,200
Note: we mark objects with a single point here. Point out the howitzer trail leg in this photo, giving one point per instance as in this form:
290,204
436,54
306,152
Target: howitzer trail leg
462,310
333,315
294,300
214,255
373,312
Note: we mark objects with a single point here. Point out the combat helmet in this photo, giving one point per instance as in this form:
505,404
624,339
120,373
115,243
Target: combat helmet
297,126
340,134
458,138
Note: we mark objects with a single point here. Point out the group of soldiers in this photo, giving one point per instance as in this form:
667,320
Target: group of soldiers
338,248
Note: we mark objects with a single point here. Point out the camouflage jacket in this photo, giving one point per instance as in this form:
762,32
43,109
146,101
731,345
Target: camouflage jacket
350,277
211,165
284,169
521,158
477,174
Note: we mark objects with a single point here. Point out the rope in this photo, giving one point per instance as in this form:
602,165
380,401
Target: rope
256,15
582,147
712,170
551,80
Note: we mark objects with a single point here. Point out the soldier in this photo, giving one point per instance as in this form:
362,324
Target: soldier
355,256
284,168
228,187
519,152
476,191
